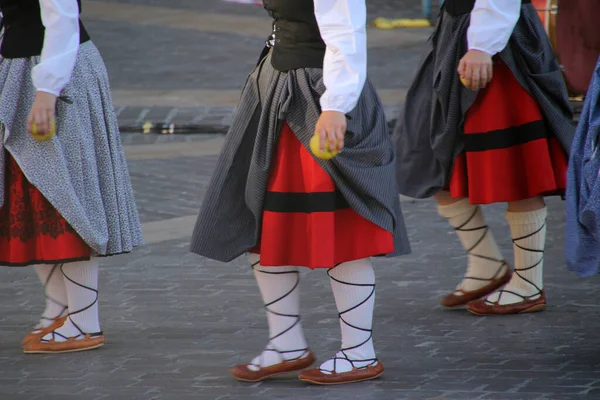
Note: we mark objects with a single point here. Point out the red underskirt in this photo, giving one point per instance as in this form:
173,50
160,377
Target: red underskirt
31,230
509,154
306,222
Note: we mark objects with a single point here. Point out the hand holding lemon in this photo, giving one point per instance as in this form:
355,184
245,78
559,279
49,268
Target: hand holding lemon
315,147
41,123
328,139
43,137
475,69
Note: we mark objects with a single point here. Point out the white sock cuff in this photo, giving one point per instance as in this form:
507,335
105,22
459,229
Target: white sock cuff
456,209
536,217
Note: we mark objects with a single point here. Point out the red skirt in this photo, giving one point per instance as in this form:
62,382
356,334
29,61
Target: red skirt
509,154
31,230
306,221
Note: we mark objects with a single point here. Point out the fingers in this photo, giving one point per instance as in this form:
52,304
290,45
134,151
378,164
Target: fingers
30,122
42,122
331,137
462,69
468,77
50,121
41,117
476,77
339,135
322,138
331,129
476,70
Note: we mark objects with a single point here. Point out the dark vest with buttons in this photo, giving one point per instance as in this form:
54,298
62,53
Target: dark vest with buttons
24,31
461,7
296,38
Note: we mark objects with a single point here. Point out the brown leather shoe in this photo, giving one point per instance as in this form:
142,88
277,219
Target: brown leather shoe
37,334
485,307
69,346
317,377
453,300
243,373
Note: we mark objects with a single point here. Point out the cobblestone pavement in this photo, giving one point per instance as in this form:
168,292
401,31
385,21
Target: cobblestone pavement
175,322
180,64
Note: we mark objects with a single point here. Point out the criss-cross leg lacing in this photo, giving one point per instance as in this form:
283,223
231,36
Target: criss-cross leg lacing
54,287
355,302
81,318
484,231
286,339
519,277
486,266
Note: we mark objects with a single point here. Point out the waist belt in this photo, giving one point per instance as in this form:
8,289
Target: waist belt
461,7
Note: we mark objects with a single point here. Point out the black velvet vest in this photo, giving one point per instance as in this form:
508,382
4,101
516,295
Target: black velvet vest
460,7
24,31
296,39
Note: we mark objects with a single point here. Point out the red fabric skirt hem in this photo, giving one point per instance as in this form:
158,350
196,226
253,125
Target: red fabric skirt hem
32,231
306,221
509,153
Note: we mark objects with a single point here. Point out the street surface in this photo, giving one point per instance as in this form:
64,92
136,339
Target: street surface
174,322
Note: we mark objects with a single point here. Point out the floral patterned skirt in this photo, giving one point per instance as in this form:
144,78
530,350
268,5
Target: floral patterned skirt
31,230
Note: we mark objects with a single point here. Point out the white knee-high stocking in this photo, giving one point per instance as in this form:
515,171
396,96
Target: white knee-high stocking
281,296
353,285
55,291
485,260
81,282
528,231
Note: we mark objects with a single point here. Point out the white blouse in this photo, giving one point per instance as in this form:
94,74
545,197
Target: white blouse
492,24
61,44
343,28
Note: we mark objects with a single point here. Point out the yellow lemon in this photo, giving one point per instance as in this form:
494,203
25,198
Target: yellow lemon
315,148
43,138
464,81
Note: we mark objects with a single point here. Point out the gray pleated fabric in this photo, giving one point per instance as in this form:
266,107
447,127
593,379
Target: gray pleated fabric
82,171
428,135
230,218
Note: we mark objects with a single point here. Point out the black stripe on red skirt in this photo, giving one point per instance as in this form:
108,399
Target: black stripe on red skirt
509,152
304,202
505,138
306,220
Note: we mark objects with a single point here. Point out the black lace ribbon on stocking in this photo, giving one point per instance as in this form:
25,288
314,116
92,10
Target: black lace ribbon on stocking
369,361
296,317
81,332
485,230
519,270
64,306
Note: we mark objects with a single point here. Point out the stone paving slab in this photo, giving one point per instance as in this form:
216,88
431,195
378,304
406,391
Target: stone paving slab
210,120
179,66
205,120
375,8
175,322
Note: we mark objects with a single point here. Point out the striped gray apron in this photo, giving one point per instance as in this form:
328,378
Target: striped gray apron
230,218
429,136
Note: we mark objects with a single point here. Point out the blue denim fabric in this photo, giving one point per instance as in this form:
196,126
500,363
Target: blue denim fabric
583,188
